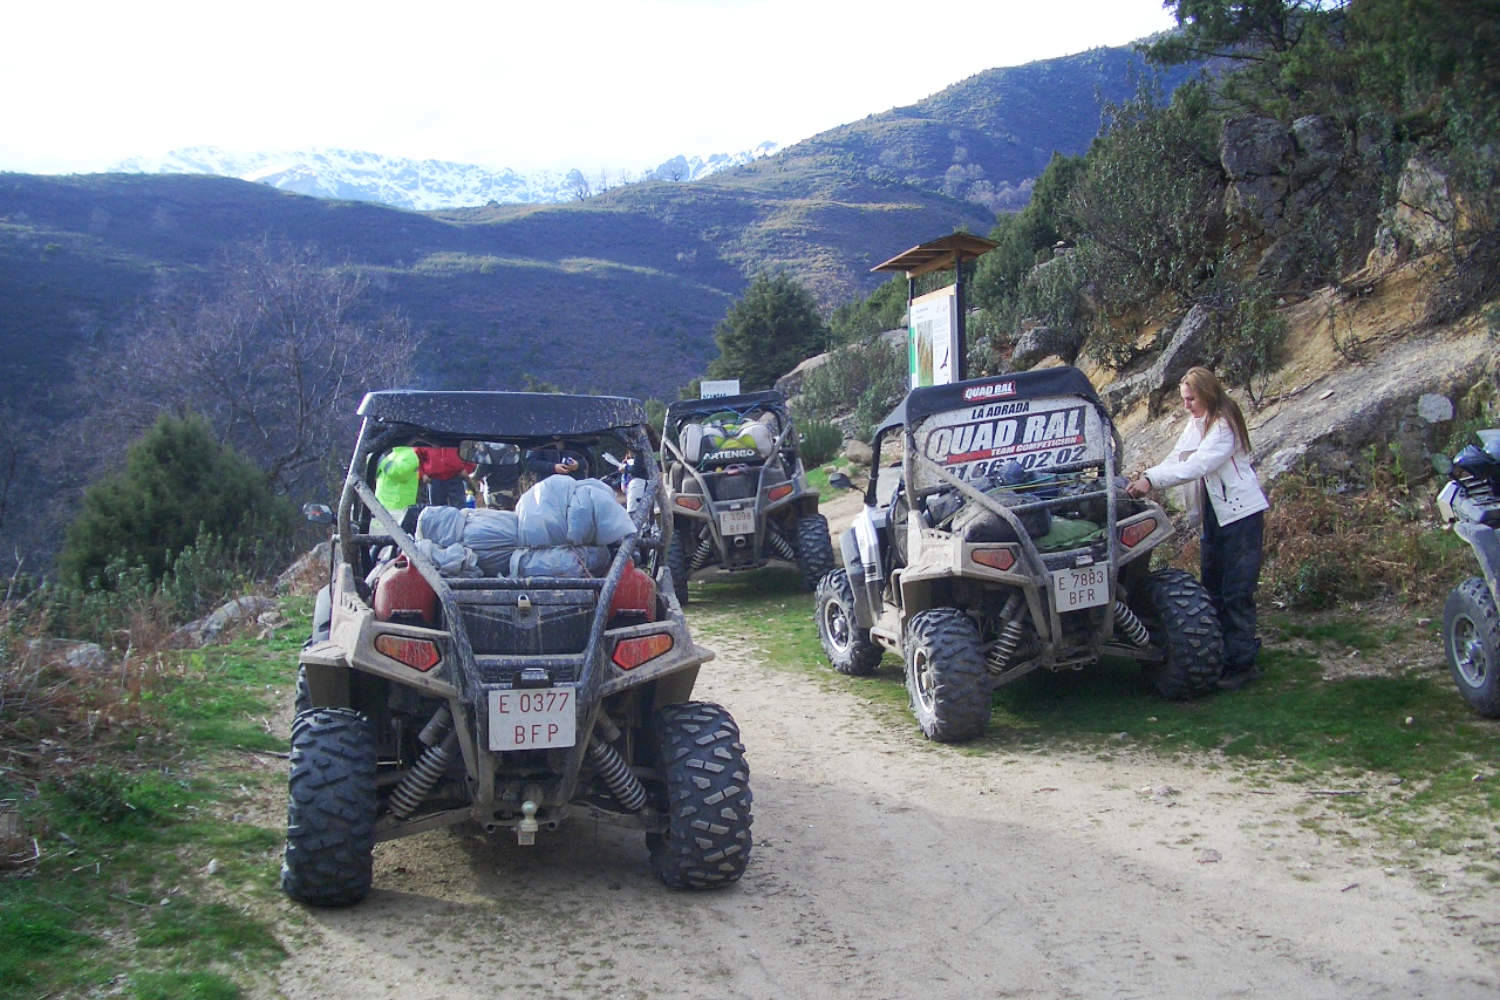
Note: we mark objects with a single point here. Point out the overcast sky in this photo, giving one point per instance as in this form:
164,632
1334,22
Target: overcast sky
588,84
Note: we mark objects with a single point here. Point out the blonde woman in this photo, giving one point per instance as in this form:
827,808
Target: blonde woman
1211,459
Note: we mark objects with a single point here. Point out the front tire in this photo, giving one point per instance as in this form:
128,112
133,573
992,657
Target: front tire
677,565
707,841
331,806
814,549
1181,619
1471,640
945,676
848,647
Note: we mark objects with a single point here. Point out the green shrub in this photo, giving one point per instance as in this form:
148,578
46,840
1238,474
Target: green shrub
865,379
821,441
178,488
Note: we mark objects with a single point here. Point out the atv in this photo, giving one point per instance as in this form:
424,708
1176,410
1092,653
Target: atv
737,491
1000,541
1470,502
510,670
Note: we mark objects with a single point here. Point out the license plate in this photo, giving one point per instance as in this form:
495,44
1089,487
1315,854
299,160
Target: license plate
737,522
532,718
1080,587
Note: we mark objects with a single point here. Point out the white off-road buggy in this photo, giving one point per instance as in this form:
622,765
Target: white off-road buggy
511,670
737,490
1002,541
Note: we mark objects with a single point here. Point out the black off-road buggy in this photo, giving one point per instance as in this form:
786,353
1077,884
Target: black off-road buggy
737,490
1003,542
483,695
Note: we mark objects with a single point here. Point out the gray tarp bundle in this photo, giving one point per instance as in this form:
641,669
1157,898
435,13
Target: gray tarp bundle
560,527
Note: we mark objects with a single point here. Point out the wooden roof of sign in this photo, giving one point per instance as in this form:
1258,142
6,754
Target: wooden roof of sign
938,254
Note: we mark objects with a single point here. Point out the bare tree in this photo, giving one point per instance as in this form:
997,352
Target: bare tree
276,353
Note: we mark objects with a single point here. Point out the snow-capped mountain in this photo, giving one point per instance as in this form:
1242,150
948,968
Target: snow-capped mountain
419,185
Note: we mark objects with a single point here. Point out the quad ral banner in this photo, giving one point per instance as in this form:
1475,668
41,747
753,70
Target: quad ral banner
1039,434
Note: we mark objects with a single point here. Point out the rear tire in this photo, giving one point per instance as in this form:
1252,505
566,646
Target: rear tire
848,647
707,841
331,806
677,565
303,700
1471,640
1180,617
945,676
814,550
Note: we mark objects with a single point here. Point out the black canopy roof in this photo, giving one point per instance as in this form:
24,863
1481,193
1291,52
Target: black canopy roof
502,414
713,404
1064,380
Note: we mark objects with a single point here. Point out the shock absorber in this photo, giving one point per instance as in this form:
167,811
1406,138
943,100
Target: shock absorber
420,779
704,553
1009,639
783,548
621,781
1130,626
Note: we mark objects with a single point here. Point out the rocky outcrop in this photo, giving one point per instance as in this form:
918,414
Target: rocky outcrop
1157,385
1294,190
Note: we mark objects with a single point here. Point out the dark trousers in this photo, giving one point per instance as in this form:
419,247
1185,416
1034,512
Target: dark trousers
1231,570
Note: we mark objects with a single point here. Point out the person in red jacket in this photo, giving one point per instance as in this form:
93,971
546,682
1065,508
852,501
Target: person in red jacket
444,474
1211,460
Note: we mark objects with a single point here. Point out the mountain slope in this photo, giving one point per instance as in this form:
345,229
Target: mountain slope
617,292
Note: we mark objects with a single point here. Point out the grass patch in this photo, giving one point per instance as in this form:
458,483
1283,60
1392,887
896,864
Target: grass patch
1400,742
143,888
817,478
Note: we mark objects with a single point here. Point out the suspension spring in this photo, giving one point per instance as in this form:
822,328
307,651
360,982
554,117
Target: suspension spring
1130,625
704,554
783,548
420,779
623,784
998,658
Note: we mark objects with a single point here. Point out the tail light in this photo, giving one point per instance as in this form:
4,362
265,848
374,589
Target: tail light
1133,534
419,654
631,653
688,502
1001,559
777,492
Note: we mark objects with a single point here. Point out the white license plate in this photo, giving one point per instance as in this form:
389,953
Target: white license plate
532,718
1080,587
737,522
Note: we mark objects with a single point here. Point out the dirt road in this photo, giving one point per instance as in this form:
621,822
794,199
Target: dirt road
887,867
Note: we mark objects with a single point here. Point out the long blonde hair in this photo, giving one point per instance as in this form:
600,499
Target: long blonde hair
1217,402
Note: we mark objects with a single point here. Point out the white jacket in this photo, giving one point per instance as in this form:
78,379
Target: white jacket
1218,460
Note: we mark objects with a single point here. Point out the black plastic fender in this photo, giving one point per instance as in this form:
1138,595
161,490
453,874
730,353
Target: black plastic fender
1486,545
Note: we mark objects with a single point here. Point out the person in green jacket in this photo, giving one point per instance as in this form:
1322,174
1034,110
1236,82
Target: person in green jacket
397,479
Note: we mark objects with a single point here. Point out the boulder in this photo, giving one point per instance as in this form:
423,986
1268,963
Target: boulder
72,652
224,618
1257,155
1425,213
1040,342
308,573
